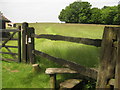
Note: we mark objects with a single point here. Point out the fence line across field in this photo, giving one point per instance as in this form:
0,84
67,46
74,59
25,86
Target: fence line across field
107,75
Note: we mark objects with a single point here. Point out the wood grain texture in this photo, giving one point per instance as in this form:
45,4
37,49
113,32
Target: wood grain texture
108,58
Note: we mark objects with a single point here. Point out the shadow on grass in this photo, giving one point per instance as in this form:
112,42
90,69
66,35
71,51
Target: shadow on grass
29,78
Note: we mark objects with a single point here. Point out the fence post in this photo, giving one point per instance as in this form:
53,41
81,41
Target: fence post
24,42
19,44
30,44
117,71
108,58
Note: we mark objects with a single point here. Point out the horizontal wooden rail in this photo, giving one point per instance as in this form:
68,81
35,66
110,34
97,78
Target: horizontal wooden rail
9,53
87,41
81,69
3,59
9,30
10,46
3,39
3,44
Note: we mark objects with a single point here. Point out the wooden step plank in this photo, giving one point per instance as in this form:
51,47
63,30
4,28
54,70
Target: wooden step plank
70,83
59,71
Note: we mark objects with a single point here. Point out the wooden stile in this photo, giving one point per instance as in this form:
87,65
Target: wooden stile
89,72
109,70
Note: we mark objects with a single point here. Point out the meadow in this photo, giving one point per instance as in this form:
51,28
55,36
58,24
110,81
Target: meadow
20,75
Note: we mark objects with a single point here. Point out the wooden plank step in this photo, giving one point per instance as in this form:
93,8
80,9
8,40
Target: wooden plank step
70,83
59,71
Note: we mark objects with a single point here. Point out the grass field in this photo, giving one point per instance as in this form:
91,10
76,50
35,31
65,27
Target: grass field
21,76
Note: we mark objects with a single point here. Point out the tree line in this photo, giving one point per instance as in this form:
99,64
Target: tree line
82,12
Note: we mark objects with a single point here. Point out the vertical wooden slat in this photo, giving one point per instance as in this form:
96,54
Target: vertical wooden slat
24,42
31,45
107,60
117,73
19,44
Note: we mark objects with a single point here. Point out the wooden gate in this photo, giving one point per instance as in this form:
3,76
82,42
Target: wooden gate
16,56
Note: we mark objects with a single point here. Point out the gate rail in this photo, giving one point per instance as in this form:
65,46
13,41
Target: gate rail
6,40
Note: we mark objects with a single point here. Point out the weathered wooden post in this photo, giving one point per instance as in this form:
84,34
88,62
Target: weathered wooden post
108,58
24,42
30,44
53,81
36,68
19,44
117,69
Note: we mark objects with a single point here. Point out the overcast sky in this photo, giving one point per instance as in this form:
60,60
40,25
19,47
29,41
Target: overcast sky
41,10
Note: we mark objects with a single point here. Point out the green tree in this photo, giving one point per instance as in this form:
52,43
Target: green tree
81,12
108,14
117,16
95,16
77,12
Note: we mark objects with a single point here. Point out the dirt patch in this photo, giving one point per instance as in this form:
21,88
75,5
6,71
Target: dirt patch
14,71
8,69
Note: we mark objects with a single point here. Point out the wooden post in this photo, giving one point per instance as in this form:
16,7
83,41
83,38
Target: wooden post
30,44
53,81
24,42
36,68
117,73
19,44
108,58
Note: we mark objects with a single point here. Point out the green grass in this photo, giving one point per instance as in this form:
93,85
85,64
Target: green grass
75,30
22,76
82,54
